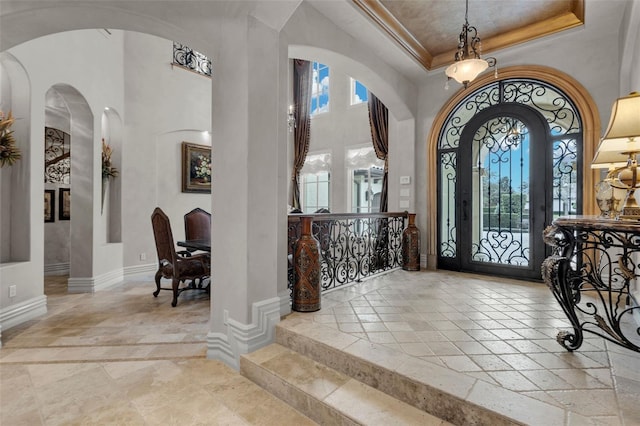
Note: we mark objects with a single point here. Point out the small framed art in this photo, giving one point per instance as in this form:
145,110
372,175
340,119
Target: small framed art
196,168
64,204
49,205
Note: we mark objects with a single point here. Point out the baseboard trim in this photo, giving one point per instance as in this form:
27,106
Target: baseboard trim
57,269
21,312
285,302
93,284
244,338
134,270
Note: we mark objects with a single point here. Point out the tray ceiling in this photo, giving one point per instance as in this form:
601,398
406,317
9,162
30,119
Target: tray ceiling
428,30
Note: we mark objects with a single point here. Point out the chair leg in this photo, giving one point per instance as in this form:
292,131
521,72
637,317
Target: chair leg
176,284
158,276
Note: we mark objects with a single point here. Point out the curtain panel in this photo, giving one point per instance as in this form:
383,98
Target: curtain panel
302,80
379,122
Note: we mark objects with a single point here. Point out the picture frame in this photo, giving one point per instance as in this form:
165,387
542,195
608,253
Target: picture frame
64,204
196,168
49,205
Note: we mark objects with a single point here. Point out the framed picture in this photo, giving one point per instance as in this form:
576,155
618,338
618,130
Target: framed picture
64,203
196,168
49,205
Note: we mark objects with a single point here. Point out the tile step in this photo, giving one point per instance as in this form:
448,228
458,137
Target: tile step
325,395
446,394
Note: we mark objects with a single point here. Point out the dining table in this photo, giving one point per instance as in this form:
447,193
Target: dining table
203,245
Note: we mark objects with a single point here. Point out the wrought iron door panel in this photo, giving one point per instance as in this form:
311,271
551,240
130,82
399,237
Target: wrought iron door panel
500,193
496,189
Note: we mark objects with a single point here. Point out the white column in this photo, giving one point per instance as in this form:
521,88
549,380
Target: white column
249,190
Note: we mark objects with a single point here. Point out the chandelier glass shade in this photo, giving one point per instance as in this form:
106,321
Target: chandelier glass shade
468,61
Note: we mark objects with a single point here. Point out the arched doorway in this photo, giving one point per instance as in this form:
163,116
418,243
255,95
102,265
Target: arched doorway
510,159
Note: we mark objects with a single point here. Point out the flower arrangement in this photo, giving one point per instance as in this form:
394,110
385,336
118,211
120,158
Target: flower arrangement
203,168
107,169
9,152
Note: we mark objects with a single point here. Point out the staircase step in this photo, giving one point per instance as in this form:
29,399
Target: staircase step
324,394
446,394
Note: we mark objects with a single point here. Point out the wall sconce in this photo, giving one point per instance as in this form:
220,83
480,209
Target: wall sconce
619,149
291,118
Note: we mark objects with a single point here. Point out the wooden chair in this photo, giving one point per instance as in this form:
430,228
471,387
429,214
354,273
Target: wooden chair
197,225
173,266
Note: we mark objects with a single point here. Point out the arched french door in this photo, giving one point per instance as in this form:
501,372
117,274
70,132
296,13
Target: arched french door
509,162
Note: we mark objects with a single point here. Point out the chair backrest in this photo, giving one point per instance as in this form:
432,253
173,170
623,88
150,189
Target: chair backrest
197,225
163,236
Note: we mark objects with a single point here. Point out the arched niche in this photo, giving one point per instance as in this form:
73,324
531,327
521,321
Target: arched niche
15,180
111,196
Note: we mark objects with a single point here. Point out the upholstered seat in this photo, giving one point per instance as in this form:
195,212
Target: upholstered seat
173,266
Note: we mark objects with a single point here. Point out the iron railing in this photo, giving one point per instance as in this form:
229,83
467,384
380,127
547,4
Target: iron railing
353,246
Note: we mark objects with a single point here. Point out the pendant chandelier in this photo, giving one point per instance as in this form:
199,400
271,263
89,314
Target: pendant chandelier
468,63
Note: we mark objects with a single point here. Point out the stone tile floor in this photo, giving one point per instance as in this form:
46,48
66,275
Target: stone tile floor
497,330
123,357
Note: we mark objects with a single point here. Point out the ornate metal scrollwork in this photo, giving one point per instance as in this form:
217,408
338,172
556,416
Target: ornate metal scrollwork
190,59
591,274
57,152
353,246
565,129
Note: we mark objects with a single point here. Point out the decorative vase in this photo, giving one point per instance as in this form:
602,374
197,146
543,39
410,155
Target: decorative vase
306,261
411,245
105,188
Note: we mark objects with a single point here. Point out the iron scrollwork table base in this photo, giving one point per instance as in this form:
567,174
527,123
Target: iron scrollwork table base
593,273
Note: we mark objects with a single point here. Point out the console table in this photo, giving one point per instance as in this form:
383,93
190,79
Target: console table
592,273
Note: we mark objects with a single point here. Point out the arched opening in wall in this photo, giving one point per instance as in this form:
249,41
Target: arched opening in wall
57,184
341,125
69,172
511,156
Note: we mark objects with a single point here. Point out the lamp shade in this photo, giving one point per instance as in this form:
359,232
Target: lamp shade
466,70
618,145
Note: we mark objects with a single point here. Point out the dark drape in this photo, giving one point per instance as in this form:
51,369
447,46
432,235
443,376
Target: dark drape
379,122
302,80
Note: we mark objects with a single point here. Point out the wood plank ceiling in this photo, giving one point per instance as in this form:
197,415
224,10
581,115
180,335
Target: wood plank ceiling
428,29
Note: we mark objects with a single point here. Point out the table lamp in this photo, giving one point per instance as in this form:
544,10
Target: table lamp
618,150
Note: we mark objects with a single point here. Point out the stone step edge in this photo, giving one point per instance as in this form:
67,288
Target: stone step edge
428,398
309,405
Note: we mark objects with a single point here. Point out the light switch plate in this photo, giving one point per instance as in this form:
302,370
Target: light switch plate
404,204
405,180
405,192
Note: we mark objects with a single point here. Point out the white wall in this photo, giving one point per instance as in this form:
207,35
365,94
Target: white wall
93,64
48,62
165,106
335,131
313,37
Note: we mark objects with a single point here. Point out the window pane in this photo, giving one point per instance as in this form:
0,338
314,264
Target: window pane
359,92
320,89
323,194
315,191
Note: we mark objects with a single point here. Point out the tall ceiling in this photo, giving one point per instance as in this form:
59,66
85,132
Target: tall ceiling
428,30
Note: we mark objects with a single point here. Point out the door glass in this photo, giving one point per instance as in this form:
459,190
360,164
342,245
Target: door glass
500,193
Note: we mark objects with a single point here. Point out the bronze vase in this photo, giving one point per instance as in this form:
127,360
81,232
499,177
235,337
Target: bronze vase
306,260
411,245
